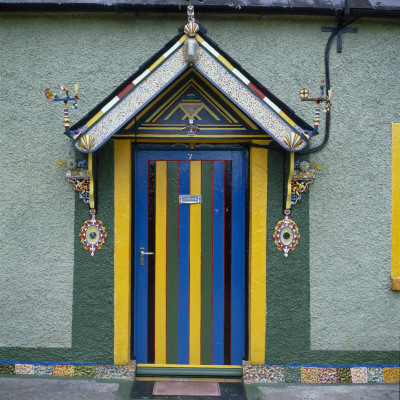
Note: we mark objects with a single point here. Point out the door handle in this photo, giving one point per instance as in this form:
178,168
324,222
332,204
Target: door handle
142,254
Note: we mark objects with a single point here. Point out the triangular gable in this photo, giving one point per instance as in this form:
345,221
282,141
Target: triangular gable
267,112
191,97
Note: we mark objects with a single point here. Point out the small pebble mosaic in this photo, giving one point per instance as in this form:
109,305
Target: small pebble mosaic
78,371
319,374
270,373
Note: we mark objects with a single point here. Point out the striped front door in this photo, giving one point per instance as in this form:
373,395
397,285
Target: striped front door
189,296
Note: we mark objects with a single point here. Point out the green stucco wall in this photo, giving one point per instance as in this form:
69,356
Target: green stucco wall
329,302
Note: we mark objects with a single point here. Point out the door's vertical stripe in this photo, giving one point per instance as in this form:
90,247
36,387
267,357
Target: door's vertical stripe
238,261
258,254
172,263
141,274
122,252
150,260
160,317
183,266
195,267
218,263
206,262
228,262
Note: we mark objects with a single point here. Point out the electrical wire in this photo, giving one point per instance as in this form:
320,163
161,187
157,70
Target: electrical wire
328,86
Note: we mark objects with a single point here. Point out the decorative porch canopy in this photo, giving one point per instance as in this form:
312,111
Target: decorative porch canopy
219,96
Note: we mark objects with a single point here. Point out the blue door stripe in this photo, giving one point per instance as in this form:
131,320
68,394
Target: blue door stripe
218,262
183,267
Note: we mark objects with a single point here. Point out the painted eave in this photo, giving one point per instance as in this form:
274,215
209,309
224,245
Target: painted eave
285,117
354,8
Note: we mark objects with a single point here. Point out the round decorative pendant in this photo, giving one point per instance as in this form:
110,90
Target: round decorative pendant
286,234
93,234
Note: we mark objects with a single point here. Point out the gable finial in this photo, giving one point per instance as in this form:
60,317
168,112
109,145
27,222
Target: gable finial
191,48
191,28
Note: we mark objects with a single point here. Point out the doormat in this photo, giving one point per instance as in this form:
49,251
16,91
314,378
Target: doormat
143,390
209,389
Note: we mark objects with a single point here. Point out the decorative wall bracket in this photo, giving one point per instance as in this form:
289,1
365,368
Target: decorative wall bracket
303,176
79,176
286,234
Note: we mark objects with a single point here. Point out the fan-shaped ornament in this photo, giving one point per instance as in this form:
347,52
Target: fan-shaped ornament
93,234
86,143
286,234
191,28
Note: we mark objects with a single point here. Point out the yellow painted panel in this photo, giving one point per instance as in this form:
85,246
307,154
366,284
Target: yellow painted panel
258,254
91,180
195,267
158,62
122,252
226,62
289,182
199,38
160,341
287,119
94,119
395,203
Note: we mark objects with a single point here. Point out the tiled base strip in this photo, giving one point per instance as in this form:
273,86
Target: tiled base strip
308,373
78,370
269,373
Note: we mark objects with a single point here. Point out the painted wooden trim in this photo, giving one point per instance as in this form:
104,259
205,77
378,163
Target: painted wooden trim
395,274
122,252
289,181
195,267
188,370
91,180
257,254
160,342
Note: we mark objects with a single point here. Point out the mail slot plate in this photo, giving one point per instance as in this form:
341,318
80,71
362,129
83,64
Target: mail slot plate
190,199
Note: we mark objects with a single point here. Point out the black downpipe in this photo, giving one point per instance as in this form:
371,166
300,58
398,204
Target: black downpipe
328,86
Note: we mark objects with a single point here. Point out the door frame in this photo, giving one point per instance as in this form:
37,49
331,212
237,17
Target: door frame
257,231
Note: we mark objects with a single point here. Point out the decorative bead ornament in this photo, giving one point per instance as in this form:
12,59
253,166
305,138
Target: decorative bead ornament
93,234
65,95
304,96
286,234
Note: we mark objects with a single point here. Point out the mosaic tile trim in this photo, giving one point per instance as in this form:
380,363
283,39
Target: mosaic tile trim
301,373
249,84
260,110
121,108
143,88
76,370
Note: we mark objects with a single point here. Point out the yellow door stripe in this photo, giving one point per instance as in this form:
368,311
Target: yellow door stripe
395,206
258,254
160,343
122,251
195,267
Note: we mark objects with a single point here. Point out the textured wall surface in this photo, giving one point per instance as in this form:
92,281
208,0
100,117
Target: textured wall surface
351,306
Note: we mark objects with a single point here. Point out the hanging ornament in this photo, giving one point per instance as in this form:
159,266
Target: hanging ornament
65,95
322,98
93,233
286,234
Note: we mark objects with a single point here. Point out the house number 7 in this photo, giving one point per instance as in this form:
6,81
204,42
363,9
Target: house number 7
190,156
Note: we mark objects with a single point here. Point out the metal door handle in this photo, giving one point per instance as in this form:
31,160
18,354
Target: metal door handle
142,254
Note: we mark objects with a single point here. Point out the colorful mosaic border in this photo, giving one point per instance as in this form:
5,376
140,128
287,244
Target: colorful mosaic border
303,373
76,370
